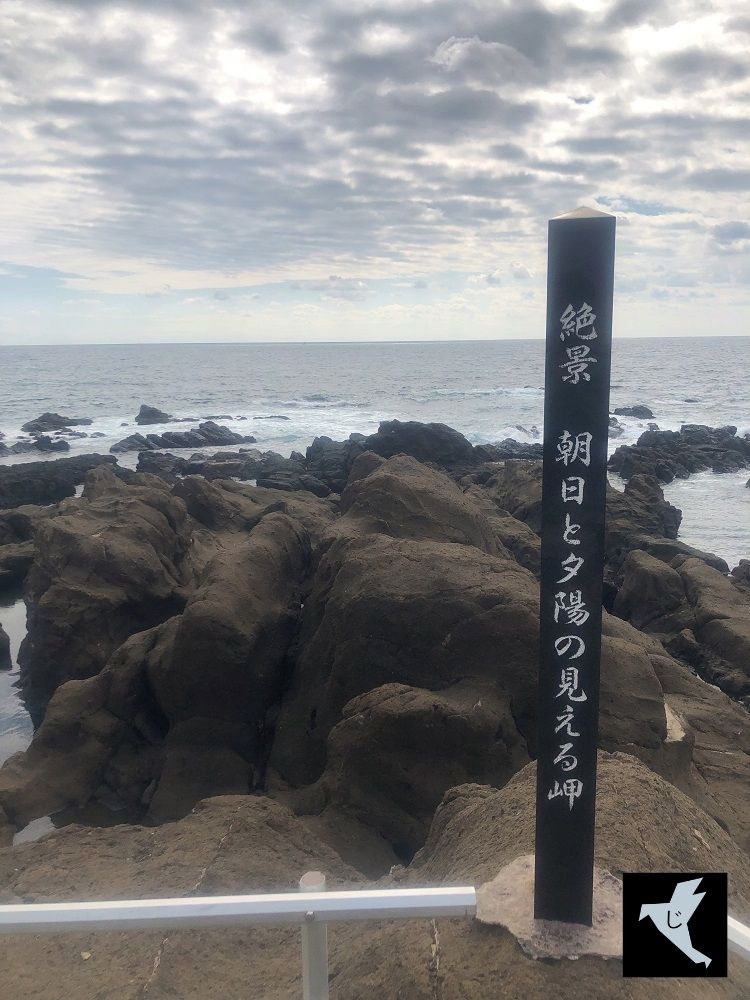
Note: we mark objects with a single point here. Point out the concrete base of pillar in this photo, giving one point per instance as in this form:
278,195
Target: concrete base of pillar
508,900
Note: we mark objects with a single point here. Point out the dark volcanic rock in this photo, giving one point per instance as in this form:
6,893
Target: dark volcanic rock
507,448
701,614
655,515
228,627
741,573
267,468
427,614
134,442
403,498
286,480
45,443
722,619
208,434
104,568
515,536
53,422
46,482
158,464
228,657
639,518
17,524
330,461
639,411
650,594
150,415
415,588
244,606
435,443
397,749
15,562
103,733
516,487
6,662
179,710
76,434
615,428
670,454
201,758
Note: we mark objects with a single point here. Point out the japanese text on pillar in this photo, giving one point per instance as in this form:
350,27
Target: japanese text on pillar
570,611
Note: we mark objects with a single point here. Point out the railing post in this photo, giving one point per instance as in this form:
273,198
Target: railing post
314,944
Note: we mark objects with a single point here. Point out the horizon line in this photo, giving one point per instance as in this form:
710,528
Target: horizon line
312,343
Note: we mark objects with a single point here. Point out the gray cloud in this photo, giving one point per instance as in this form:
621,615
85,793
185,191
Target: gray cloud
224,137
731,232
630,13
695,62
719,179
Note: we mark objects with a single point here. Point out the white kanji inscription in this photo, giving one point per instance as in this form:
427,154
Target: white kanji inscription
574,322
570,530
567,760
569,685
573,607
570,789
577,364
565,721
571,565
574,449
564,642
572,489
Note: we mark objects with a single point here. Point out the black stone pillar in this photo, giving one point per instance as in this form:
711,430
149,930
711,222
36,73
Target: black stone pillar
580,275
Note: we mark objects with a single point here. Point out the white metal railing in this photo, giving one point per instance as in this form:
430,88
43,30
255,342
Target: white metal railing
312,907
738,937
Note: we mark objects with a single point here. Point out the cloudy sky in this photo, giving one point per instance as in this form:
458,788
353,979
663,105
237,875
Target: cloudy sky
365,169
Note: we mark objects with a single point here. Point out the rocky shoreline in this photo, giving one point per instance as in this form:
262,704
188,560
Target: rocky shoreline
344,644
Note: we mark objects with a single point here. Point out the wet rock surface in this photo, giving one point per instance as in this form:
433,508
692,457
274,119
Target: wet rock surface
640,411
206,434
5,660
151,415
48,422
677,454
46,482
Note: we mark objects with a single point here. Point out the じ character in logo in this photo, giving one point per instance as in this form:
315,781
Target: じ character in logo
672,918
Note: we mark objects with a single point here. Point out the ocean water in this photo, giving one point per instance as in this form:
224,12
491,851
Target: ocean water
15,723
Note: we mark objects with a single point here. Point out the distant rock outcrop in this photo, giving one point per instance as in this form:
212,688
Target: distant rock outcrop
507,448
670,454
151,415
53,422
207,434
330,461
436,443
639,411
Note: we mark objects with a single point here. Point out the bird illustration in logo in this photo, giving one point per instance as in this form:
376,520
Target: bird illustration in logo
672,918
